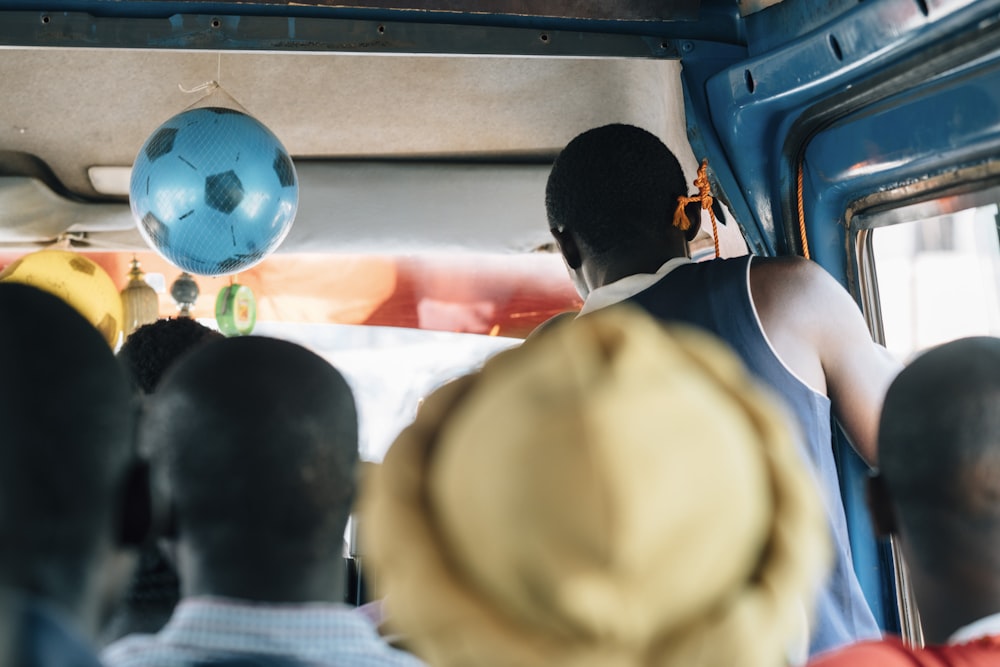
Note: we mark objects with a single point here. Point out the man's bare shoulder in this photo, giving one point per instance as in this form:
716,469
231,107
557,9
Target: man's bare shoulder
786,268
792,280
818,330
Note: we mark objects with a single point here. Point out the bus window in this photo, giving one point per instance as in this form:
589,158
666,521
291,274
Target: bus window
390,369
930,273
938,278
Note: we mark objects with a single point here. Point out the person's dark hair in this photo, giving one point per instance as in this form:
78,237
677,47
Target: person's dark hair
153,348
613,183
256,443
939,449
147,353
66,442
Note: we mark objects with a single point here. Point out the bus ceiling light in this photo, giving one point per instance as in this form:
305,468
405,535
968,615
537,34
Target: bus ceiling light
110,180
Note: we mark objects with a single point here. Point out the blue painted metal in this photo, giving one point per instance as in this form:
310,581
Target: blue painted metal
755,104
701,62
219,32
949,122
872,563
279,27
777,25
718,20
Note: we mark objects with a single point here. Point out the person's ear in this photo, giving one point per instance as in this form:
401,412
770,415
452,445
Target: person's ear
136,515
880,506
693,212
568,247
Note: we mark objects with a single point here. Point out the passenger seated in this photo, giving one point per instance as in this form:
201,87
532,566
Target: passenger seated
254,444
938,492
610,493
147,353
73,496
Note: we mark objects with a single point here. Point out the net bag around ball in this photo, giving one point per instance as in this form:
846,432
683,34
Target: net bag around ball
213,191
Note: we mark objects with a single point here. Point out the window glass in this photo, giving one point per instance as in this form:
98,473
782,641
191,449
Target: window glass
938,279
390,369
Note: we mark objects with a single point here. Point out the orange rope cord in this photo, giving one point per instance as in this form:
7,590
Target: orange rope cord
704,196
802,213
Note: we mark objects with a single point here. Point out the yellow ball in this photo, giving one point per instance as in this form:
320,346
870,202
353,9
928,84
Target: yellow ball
76,280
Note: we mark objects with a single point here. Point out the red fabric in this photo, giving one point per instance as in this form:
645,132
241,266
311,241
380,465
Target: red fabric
892,652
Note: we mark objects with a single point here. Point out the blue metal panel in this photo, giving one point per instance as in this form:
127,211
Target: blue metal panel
779,24
219,32
627,10
755,104
718,20
701,61
951,122
828,240
871,560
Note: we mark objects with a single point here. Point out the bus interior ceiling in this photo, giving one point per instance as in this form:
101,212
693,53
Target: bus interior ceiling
383,143
419,151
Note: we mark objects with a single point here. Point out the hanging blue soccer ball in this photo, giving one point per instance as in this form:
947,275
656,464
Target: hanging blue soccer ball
213,191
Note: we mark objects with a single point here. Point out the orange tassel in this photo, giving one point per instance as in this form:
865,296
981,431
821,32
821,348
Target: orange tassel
704,196
681,221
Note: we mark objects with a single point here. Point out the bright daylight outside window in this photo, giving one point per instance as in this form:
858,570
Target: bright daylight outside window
390,369
939,279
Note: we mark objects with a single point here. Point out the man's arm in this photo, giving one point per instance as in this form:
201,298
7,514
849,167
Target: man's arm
858,371
818,331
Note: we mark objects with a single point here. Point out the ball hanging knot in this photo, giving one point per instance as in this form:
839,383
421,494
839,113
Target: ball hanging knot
704,196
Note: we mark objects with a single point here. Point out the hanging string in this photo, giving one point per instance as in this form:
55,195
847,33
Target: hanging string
802,213
208,85
704,196
215,94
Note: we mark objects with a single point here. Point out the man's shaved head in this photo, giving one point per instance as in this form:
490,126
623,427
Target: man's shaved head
939,450
255,442
614,183
66,441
